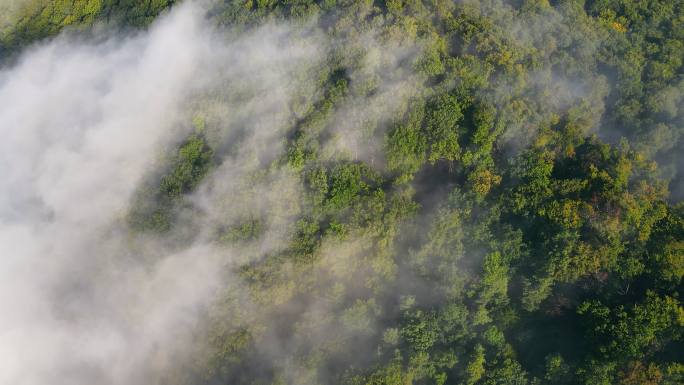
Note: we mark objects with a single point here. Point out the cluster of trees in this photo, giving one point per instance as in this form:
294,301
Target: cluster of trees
519,228
30,20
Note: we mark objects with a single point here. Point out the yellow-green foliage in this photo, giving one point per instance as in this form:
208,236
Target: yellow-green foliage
37,18
28,20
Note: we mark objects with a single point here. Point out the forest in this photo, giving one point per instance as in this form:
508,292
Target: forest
362,192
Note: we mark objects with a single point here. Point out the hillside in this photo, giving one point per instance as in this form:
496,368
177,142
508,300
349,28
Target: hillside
342,192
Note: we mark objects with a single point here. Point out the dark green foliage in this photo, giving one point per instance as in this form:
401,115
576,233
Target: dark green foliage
345,185
510,236
189,167
407,144
624,334
442,128
154,207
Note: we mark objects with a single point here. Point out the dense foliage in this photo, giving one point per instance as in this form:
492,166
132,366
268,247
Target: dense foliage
520,223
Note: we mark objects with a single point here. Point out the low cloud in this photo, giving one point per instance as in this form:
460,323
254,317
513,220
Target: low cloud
86,122
83,124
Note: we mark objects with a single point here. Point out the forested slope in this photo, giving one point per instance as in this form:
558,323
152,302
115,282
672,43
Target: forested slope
470,192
